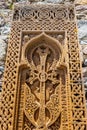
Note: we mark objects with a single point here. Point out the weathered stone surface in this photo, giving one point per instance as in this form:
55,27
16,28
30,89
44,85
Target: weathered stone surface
2,49
81,11
2,21
81,1
1,75
82,28
55,1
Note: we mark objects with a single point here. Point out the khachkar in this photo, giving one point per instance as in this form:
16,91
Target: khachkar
42,87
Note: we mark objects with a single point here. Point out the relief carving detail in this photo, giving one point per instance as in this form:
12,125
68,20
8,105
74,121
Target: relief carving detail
42,88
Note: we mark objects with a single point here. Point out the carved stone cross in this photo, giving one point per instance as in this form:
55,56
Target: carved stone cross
42,74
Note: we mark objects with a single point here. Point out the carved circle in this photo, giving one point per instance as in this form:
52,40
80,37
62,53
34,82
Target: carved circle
43,76
44,15
59,14
26,13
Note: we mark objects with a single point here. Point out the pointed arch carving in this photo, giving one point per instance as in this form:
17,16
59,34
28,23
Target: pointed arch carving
44,38
42,82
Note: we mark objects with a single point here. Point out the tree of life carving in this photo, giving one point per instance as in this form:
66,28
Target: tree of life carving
42,86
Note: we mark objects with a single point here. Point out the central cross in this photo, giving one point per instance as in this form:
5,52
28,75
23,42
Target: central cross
42,77
43,72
